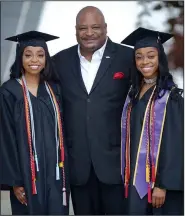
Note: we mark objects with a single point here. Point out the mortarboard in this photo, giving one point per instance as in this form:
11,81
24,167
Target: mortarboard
30,38
143,37
32,35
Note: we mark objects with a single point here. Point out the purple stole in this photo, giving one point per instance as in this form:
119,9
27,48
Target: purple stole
139,180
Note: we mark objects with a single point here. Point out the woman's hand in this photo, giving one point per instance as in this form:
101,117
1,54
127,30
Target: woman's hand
20,194
158,197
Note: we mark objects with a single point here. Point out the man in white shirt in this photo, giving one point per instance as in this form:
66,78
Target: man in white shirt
94,79
89,68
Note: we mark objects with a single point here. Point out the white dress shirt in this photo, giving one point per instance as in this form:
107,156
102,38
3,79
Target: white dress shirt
89,69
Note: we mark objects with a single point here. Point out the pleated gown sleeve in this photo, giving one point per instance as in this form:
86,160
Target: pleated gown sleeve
9,161
170,173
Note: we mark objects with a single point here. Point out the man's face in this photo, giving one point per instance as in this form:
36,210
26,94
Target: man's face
91,31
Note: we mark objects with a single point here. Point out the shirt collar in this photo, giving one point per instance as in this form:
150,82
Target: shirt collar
98,52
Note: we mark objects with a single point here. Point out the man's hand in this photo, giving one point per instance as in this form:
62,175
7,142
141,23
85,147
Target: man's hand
20,194
158,197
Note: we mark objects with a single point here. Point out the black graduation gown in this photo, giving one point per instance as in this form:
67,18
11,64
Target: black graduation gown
170,173
14,153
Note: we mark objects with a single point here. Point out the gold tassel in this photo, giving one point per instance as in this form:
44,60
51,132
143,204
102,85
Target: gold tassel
147,173
61,164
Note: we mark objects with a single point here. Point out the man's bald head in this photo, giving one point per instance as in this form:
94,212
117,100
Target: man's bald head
89,10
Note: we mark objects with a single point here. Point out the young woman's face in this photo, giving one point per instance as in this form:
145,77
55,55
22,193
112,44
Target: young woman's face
34,59
147,61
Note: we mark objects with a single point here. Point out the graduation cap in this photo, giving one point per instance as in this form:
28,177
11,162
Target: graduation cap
143,37
32,36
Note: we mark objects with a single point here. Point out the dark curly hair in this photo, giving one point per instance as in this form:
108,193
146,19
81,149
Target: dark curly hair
164,79
47,74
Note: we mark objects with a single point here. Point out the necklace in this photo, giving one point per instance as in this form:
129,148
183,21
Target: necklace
150,81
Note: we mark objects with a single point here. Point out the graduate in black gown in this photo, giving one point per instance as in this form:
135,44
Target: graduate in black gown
32,152
152,131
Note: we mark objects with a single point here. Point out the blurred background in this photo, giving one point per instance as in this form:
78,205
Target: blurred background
58,18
